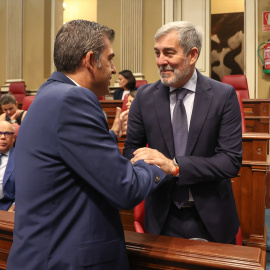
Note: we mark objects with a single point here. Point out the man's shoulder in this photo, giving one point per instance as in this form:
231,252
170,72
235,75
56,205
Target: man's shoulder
150,88
213,84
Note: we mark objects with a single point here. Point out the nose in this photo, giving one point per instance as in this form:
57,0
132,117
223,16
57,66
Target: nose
113,68
161,60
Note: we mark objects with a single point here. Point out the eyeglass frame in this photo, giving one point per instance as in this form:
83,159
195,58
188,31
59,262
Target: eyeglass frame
7,134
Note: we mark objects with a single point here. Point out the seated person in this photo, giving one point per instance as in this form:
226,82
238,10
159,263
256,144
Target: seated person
7,180
125,108
131,96
10,109
128,99
127,82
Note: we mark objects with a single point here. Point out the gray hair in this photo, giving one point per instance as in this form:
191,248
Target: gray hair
75,39
189,36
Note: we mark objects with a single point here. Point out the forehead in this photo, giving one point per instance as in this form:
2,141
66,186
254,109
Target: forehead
8,105
169,40
6,127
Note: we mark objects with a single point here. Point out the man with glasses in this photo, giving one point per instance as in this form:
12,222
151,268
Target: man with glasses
7,180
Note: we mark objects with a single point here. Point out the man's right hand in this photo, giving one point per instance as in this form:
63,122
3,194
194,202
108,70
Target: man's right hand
154,157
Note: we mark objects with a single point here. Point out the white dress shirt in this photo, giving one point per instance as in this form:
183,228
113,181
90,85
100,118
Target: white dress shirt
4,161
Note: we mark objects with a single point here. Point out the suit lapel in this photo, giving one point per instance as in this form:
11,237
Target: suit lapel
162,109
202,102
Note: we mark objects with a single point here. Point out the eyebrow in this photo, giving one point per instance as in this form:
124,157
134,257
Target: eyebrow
166,48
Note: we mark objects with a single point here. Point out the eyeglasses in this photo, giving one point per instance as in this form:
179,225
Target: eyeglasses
6,134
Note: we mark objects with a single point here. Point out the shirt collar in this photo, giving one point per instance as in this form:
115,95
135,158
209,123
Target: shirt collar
7,153
73,81
191,84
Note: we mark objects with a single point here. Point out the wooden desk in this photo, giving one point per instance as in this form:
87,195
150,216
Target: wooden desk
147,251
256,107
256,123
109,106
6,236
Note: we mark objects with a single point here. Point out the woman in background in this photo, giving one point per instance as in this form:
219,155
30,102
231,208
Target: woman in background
11,113
131,96
127,82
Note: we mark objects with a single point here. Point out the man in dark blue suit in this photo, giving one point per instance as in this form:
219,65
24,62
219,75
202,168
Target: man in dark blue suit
73,178
7,179
213,152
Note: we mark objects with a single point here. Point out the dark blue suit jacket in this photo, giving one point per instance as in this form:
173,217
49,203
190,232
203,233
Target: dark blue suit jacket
73,179
118,94
213,154
8,183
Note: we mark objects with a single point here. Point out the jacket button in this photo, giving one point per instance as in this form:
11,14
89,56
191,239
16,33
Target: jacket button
157,179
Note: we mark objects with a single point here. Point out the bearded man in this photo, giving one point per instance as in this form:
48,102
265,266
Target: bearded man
193,123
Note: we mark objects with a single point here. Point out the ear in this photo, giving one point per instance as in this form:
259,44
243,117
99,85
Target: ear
193,55
89,60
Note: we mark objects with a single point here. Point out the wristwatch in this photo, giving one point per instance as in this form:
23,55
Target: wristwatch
176,172
13,121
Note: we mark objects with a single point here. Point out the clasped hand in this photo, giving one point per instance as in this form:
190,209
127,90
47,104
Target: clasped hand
154,157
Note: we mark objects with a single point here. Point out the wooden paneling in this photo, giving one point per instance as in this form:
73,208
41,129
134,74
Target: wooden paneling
256,107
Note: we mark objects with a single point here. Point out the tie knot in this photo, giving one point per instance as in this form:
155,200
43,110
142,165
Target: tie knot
181,93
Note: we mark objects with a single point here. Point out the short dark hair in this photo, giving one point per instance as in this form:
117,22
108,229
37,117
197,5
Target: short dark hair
75,39
7,99
127,74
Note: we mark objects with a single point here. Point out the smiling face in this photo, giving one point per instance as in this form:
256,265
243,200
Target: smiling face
6,141
9,109
175,68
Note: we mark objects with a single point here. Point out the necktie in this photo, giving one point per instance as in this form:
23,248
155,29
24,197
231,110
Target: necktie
180,134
